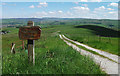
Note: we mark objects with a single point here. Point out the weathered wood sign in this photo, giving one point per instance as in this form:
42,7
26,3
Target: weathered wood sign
29,32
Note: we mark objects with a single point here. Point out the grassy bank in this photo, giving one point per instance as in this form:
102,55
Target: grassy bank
52,56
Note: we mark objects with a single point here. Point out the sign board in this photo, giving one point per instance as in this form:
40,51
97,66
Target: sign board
29,32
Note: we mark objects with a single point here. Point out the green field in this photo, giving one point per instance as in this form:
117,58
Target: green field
52,55
89,37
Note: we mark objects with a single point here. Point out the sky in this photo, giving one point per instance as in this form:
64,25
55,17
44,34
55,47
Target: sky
60,0
94,10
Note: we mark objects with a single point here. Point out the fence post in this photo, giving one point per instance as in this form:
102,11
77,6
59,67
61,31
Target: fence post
88,38
31,53
109,39
99,38
12,48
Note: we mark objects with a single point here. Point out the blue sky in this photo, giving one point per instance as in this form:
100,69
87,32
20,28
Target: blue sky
60,0
96,10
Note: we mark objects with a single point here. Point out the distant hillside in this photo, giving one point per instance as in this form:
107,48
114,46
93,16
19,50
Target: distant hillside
60,21
101,31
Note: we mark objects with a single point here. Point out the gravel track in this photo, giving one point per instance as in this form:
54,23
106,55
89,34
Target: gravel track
106,54
106,65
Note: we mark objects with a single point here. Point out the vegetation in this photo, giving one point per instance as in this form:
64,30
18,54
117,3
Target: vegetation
89,37
89,50
52,55
45,22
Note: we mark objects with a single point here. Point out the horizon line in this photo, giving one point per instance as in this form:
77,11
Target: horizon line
61,17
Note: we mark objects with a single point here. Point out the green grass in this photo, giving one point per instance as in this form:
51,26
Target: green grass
52,56
88,37
88,50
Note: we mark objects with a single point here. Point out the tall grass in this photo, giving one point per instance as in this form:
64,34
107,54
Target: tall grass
52,56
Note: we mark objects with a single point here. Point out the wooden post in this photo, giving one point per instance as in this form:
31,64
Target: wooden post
31,54
23,45
12,48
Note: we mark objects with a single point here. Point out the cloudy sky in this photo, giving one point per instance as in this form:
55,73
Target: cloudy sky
85,9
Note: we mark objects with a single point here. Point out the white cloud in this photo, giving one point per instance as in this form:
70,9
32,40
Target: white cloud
110,12
79,13
105,13
96,0
103,8
100,8
42,4
32,6
60,11
113,4
81,8
84,0
51,12
113,12
55,12
110,9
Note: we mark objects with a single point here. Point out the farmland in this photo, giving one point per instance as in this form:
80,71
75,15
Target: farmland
52,55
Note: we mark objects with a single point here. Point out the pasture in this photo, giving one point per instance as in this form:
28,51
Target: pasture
52,55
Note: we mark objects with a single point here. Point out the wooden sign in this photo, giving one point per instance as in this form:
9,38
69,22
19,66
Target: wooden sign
29,32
